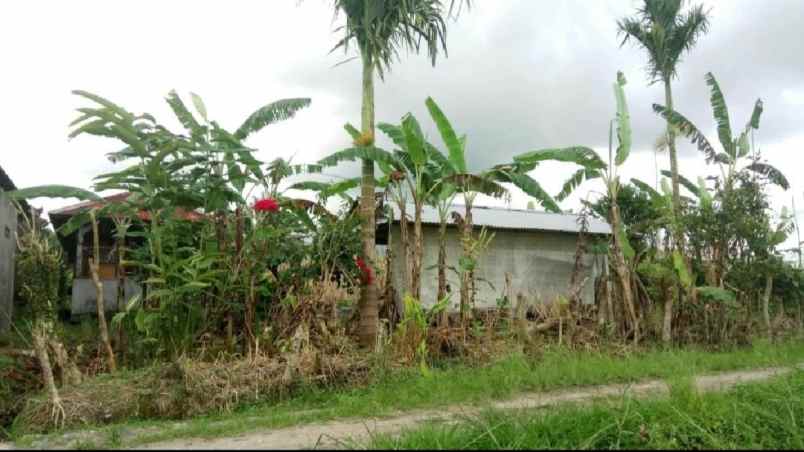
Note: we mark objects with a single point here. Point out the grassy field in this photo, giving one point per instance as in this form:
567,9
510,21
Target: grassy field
394,391
753,416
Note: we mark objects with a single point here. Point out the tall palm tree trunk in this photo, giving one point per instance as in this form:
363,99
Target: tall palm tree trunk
671,145
369,310
678,235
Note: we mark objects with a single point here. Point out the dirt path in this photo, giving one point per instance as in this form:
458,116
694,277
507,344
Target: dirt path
333,434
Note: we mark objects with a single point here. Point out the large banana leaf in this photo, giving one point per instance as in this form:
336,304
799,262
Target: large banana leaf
579,155
414,140
183,114
576,180
532,188
623,122
455,147
54,191
769,171
721,113
647,189
476,183
357,153
688,184
688,129
269,114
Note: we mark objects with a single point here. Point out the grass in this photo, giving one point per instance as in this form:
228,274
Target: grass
404,390
754,416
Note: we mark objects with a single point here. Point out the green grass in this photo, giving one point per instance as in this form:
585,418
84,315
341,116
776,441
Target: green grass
755,416
459,384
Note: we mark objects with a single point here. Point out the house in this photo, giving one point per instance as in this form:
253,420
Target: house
78,249
535,249
8,246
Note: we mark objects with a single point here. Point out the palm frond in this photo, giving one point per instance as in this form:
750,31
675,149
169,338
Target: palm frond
646,188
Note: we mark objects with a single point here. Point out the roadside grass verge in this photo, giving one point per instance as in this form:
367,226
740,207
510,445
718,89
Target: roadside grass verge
390,391
766,415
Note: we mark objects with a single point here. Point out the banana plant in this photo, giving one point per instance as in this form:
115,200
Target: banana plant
736,148
458,179
621,251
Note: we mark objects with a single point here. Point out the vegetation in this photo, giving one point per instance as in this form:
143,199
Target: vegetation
757,415
251,296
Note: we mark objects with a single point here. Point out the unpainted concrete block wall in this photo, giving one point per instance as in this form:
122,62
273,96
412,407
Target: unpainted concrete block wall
540,264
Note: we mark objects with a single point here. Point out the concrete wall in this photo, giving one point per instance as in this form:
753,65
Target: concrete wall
8,245
540,264
84,297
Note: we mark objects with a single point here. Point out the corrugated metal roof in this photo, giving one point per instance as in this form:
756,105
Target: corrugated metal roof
502,218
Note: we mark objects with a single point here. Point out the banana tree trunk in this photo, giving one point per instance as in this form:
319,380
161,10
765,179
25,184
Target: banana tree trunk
766,303
94,267
466,275
442,266
40,338
369,309
404,244
667,324
622,272
416,267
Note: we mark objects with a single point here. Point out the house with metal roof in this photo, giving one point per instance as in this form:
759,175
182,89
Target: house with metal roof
78,249
8,246
534,251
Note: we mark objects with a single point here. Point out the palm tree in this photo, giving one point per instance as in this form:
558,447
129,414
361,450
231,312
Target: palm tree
379,29
665,32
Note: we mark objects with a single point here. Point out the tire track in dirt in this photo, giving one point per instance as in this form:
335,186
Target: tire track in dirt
334,434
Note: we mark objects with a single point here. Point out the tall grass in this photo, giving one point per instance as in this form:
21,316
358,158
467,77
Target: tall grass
755,416
391,391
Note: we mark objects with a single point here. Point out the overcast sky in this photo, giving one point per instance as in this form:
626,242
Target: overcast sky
521,75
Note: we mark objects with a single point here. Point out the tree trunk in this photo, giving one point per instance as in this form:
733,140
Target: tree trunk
369,311
667,324
404,245
466,275
442,268
40,346
68,371
99,303
416,267
766,304
671,145
622,272
122,228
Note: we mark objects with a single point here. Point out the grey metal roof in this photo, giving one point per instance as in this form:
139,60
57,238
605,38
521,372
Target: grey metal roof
502,218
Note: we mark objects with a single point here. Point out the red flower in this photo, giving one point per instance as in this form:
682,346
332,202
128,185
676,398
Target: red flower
266,205
366,275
